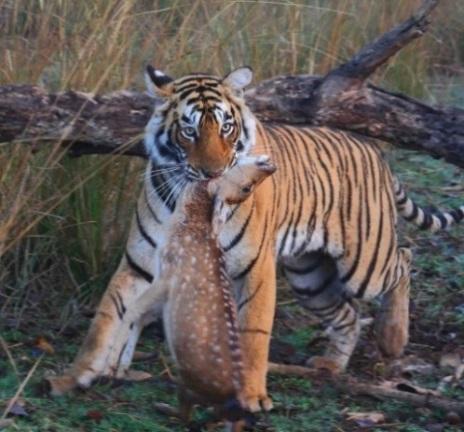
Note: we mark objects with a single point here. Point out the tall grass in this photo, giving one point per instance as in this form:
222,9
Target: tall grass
63,221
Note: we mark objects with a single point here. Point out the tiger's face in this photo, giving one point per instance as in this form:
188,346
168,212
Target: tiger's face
202,124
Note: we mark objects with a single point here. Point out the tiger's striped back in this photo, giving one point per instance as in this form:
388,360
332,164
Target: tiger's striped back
332,193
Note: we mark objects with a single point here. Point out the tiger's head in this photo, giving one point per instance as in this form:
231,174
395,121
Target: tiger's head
202,124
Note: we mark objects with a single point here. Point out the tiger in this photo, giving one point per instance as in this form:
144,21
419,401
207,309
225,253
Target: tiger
327,217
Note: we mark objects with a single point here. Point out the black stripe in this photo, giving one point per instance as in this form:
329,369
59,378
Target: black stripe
199,89
167,152
427,222
367,180
391,246
324,312
188,92
334,144
120,356
159,132
143,273
240,234
195,84
402,201
413,215
372,171
276,136
180,89
321,145
250,297
349,150
150,209
346,180
206,88
386,281
299,183
123,307
442,218
392,219
185,119
251,264
342,318
329,182
341,203
204,99
348,324
116,305
284,239
373,263
141,228
307,269
195,78
347,276
457,214
179,154
231,214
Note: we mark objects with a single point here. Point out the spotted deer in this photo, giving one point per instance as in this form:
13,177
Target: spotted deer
199,313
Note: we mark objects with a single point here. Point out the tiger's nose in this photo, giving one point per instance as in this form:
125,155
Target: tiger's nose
212,173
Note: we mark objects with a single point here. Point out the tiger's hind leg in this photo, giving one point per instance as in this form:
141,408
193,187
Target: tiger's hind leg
315,280
392,322
343,328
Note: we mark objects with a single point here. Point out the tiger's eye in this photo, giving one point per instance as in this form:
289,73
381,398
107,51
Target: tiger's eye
227,128
246,189
188,131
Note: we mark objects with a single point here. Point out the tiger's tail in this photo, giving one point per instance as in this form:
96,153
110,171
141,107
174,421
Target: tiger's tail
425,219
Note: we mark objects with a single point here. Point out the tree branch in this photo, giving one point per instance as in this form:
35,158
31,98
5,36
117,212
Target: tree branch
351,386
373,55
113,123
89,124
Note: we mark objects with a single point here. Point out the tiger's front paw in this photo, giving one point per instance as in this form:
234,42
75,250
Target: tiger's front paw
60,385
325,363
256,403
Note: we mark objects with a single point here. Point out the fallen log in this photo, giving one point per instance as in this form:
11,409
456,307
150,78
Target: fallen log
113,123
352,386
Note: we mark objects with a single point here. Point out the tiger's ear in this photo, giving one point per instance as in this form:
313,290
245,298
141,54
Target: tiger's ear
158,84
239,78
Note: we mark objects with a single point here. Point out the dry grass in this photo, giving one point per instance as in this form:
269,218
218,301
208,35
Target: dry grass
62,221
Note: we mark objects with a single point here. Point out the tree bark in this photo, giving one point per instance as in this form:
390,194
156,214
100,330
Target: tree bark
113,123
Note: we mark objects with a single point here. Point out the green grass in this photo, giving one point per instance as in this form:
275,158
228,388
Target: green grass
66,227
300,405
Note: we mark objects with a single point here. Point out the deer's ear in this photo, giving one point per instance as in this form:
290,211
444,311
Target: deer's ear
213,188
265,164
239,78
158,83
